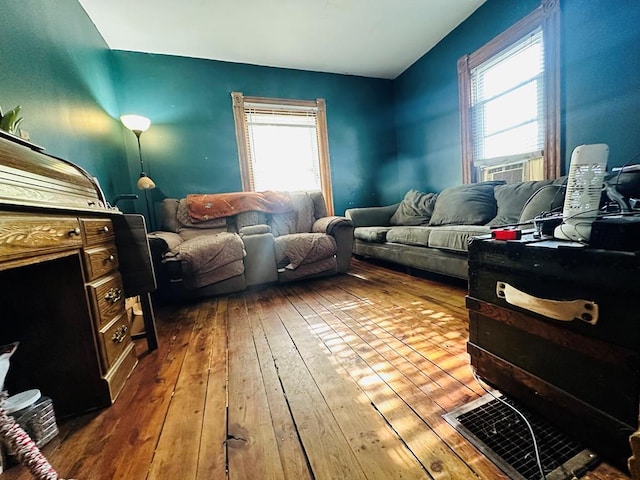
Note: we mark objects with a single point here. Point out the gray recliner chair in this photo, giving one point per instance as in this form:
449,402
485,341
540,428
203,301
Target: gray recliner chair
229,253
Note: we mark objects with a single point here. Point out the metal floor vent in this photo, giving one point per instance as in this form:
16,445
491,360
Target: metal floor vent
502,436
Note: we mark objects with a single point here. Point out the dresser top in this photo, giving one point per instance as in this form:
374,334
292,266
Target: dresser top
31,178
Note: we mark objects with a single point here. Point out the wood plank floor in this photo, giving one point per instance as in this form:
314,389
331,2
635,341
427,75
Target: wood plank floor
338,378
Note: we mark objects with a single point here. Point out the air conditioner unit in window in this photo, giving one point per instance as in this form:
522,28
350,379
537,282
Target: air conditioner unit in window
511,173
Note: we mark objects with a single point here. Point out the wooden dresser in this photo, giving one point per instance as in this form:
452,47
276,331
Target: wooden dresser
61,291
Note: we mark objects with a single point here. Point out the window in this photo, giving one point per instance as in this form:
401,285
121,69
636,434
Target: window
509,102
283,145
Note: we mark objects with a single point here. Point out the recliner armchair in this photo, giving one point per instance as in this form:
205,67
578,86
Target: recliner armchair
217,254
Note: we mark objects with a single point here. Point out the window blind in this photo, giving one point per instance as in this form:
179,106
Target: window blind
282,144
507,101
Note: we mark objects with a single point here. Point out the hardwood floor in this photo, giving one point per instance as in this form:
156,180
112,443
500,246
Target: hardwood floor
338,378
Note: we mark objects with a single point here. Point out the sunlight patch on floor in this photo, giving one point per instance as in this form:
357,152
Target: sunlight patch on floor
319,327
359,275
379,346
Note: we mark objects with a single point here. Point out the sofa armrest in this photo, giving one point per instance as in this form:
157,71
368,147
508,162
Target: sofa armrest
341,229
328,224
167,269
371,216
260,260
254,230
163,242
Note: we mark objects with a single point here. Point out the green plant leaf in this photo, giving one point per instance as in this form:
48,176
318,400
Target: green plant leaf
10,121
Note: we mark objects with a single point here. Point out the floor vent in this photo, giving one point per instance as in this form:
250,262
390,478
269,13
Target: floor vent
501,435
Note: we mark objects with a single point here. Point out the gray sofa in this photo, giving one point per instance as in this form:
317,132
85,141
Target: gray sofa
222,243
431,232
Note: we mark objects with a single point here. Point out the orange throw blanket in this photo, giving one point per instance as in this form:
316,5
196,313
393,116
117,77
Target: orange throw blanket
203,207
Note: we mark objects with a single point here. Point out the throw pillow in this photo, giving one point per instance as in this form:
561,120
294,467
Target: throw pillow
471,204
549,198
511,198
415,209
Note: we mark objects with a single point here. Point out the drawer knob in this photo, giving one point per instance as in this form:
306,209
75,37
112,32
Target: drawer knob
105,229
74,232
113,295
111,258
120,334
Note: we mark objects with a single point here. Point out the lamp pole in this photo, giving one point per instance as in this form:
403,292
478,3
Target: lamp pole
138,124
145,188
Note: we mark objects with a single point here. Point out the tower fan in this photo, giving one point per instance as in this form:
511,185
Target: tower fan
584,187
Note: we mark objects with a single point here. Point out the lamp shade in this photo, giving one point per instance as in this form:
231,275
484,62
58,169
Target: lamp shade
145,183
135,123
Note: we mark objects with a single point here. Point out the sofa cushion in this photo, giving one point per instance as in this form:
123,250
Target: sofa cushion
416,208
247,219
188,229
411,235
546,199
327,266
188,233
371,216
213,275
182,214
299,220
301,248
201,256
371,234
169,220
455,237
319,205
472,204
512,197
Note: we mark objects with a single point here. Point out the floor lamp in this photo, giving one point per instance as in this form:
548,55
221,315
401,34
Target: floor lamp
138,124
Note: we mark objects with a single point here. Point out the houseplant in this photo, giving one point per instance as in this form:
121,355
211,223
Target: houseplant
10,122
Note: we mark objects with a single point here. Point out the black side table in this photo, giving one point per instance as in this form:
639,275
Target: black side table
556,326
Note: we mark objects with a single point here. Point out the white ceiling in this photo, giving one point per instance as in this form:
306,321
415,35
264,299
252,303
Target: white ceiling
372,38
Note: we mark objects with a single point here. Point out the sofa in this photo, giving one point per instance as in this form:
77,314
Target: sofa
431,231
212,244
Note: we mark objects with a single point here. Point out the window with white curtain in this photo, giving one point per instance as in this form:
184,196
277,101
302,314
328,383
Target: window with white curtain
282,145
509,102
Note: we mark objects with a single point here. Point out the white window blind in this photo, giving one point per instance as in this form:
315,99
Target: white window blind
282,145
507,102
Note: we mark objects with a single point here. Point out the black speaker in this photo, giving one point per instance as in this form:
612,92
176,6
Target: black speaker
620,232
134,254
136,268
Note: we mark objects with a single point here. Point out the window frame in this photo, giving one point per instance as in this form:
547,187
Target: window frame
319,104
547,17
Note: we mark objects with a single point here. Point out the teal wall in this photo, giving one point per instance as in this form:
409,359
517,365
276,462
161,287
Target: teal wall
56,66
601,77
191,144
72,90
385,136
427,111
600,70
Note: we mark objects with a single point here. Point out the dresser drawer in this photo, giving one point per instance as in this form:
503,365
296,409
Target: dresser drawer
97,230
22,235
107,298
99,261
114,338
